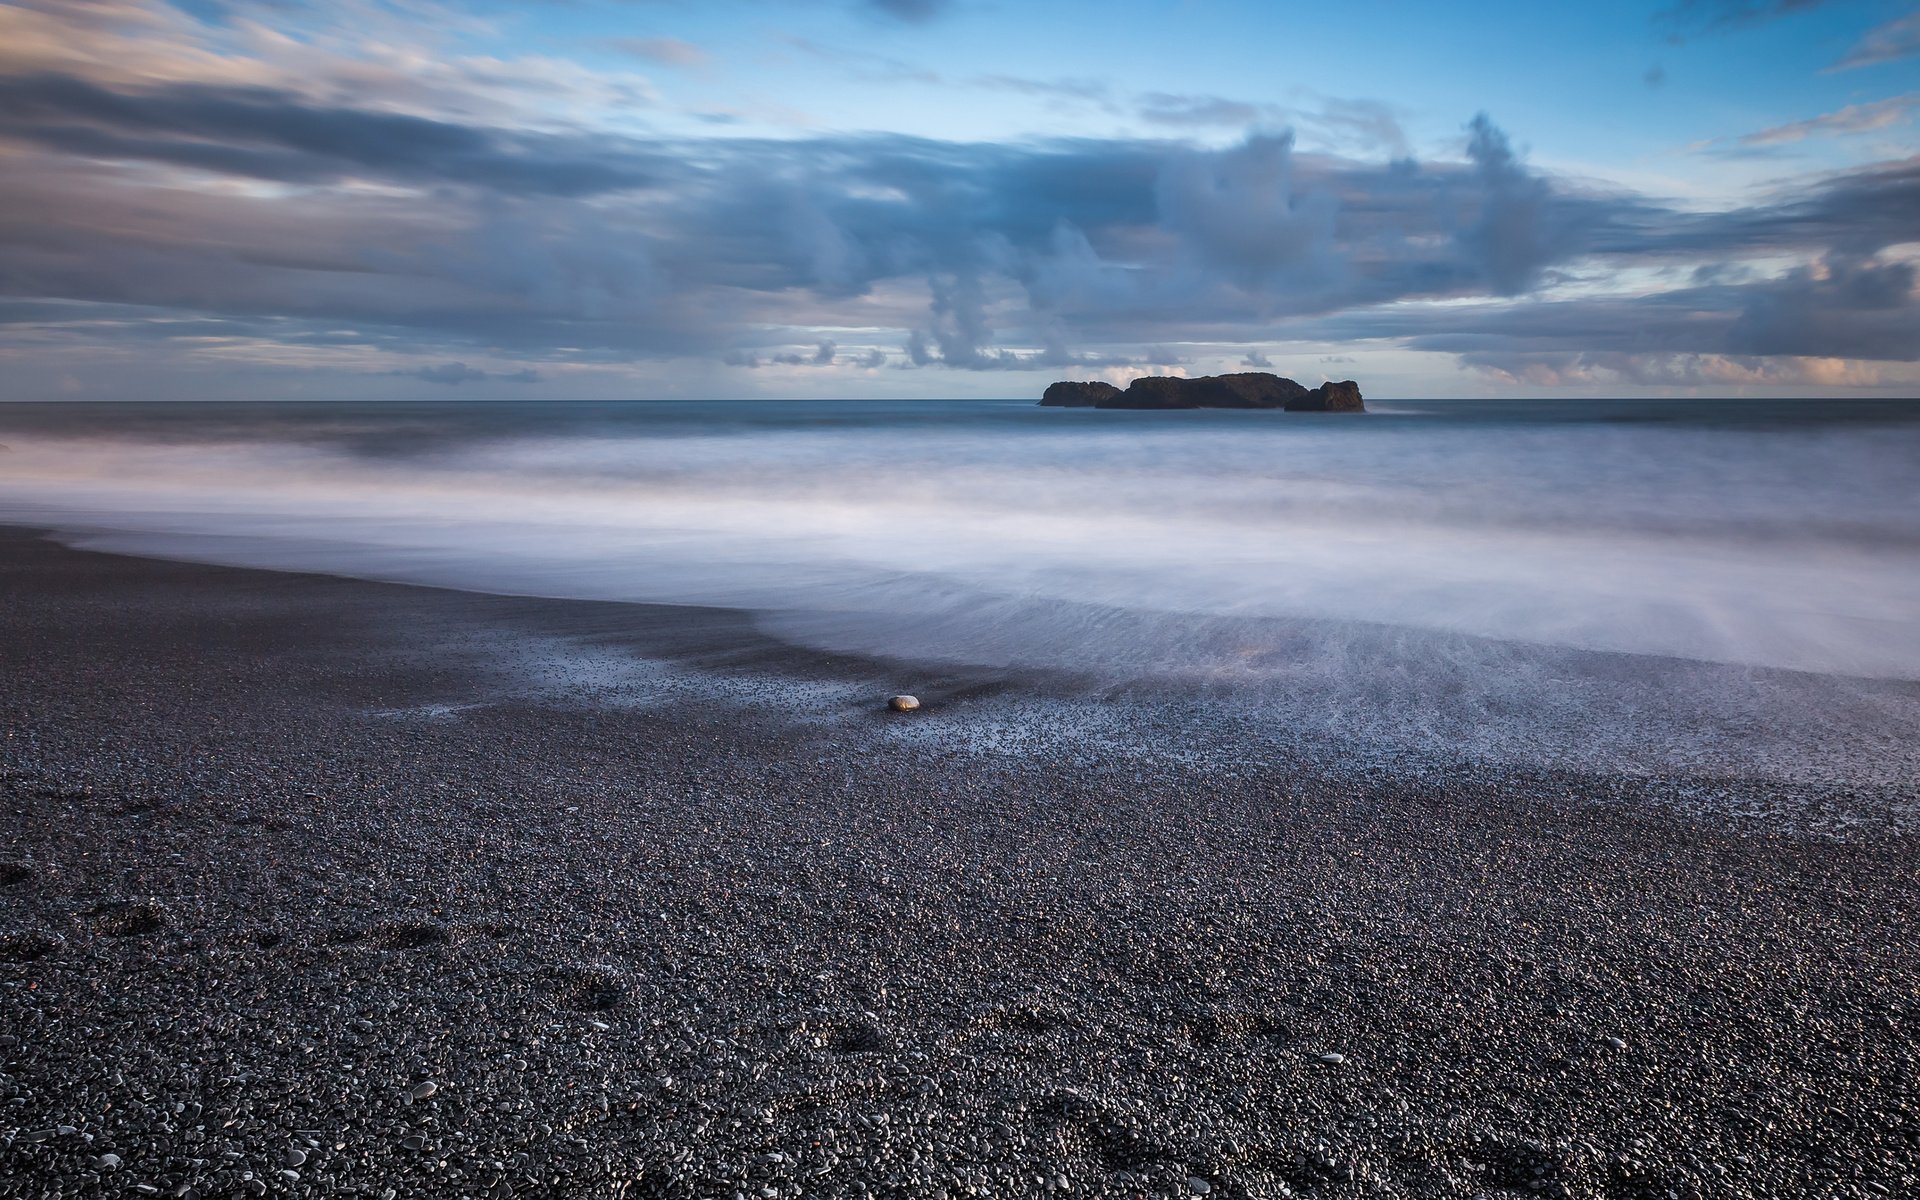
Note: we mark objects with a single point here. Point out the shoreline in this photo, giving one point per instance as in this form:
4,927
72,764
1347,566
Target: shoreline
284,850
593,646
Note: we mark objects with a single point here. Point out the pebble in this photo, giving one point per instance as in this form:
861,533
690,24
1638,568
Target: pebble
903,703
1013,917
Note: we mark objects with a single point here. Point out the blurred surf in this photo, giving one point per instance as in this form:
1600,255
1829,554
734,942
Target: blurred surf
1178,547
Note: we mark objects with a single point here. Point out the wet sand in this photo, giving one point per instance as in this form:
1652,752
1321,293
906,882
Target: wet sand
321,887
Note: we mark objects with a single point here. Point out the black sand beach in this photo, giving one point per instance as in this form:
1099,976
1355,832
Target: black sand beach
304,891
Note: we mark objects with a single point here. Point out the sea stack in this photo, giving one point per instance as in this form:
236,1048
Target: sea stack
1330,397
1078,395
1244,389
1155,391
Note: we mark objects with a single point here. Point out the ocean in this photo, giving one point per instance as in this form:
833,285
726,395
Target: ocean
1724,586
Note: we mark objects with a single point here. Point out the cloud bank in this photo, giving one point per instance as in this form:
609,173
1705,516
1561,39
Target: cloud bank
227,210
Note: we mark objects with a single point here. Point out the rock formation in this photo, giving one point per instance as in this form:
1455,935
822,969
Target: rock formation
1078,395
1245,389
1330,397
1155,391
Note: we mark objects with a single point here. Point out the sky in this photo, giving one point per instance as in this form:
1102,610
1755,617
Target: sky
600,199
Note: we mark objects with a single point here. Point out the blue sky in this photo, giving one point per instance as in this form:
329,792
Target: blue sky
958,198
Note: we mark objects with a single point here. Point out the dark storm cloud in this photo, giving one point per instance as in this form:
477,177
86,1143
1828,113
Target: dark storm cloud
269,134
542,244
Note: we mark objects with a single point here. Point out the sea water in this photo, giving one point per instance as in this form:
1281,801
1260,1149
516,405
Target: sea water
1747,571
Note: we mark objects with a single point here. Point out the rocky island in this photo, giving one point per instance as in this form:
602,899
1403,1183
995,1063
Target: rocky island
1246,389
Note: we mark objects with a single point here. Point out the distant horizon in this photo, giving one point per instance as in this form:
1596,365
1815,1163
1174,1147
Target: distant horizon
1641,398
244,199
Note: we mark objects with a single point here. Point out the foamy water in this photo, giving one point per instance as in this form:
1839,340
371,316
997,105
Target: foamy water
1196,546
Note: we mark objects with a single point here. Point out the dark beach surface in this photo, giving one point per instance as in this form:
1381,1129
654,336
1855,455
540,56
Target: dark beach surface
321,887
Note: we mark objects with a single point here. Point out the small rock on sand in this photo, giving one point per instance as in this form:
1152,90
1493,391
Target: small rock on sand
903,703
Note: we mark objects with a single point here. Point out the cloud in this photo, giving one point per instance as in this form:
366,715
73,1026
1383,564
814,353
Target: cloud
670,52
1668,371
270,134
1257,360
1091,90
200,215
1241,211
871,67
1861,211
912,12
1356,125
1051,245
1346,123
454,374
1161,108
1693,17
1840,307
1897,39
1855,118
1518,231
823,355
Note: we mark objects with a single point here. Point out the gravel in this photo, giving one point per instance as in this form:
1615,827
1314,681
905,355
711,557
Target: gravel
297,902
